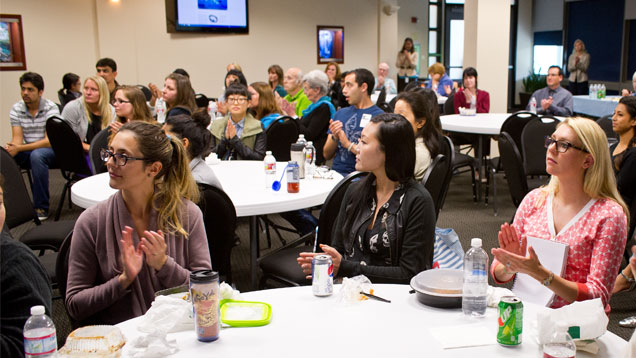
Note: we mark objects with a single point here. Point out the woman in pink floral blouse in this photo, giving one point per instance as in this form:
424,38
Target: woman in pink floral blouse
580,207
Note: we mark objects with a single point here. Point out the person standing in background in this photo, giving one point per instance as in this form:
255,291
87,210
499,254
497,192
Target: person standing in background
407,59
578,63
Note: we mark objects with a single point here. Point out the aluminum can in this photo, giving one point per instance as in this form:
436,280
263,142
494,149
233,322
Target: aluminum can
293,177
322,275
205,293
510,321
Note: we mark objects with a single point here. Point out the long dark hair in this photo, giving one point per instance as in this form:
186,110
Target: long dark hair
630,103
424,108
195,129
404,45
397,141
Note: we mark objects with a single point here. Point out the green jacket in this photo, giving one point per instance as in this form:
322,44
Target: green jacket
302,102
251,145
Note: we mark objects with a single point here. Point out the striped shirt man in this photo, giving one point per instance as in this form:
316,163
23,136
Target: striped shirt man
33,128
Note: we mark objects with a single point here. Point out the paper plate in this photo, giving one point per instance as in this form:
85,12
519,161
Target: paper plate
245,313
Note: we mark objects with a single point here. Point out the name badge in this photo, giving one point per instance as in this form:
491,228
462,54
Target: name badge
366,118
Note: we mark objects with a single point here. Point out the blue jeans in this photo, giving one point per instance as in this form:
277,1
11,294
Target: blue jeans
301,220
39,161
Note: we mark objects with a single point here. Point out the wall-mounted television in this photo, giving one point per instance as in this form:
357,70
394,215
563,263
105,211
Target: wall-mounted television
221,16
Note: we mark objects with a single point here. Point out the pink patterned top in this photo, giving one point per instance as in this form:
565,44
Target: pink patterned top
596,237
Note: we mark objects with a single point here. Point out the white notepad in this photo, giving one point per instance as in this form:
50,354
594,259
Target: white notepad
553,256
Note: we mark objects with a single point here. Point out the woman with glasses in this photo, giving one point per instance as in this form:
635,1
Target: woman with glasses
130,105
146,237
178,95
92,112
238,135
580,207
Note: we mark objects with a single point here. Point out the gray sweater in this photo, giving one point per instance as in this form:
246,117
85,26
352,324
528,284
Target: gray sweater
74,114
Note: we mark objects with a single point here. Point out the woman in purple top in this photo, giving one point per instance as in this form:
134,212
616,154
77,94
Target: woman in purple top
147,237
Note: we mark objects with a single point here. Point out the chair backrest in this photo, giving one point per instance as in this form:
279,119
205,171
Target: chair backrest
514,124
61,265
67,146
219,218
533,143
100,140
437,179
280,135
381,97
331,207
606,124
513,167
449,105
201,100
16,197
446,147
147,92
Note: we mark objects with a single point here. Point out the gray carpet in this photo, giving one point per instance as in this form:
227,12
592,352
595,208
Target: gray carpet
469,219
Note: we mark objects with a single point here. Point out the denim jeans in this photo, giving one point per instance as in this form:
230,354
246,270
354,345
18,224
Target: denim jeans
39,161
301,220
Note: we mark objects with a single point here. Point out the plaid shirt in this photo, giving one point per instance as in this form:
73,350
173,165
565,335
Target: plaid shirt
33,128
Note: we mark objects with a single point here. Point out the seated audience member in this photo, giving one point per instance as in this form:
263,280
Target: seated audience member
238,135
29,144
178,95
263,104
92,112
469,96
147,237
383,81
275,78
335,89
24,284
234,66
386,225
107,69
626,92
232,76
625,279
130,105
553,99
341,101
439,82
71,88
182,72
624,156
580,207
419,110
192,131
292,82
346,126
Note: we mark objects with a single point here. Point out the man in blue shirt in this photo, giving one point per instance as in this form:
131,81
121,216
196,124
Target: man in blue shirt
346,126
553,99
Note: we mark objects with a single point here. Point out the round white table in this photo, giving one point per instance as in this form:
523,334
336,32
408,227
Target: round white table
480,123
308,326
244,182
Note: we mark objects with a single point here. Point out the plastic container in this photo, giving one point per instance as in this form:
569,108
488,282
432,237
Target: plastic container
297,154
269,164
560,344
310,160
245,313
293,177
40,339
475,288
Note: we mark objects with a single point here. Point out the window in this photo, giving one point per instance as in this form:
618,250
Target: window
545,56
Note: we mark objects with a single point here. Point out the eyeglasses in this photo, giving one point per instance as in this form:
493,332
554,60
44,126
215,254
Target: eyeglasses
120,101
239,100
561,145
120,159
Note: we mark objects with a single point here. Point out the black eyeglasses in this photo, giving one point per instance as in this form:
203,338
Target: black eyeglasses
561,145
120,159
239,100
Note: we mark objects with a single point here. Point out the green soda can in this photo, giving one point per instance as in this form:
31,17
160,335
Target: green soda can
510,321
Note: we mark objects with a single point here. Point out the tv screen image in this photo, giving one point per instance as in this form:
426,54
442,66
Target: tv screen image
229,16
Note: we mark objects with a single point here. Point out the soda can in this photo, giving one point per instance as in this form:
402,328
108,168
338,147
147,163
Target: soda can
510,321
322,275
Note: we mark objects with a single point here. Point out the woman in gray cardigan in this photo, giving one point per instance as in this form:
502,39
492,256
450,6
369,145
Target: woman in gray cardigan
578,63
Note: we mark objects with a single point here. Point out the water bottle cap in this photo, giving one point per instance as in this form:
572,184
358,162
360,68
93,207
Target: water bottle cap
475,242
37,310
309,143
269,152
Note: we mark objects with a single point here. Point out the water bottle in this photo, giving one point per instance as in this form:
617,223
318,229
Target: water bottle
301,160
533,105
39,335
473,102
591,91
212,110
270,169
475,289
310,159
560,344
603,90
160,108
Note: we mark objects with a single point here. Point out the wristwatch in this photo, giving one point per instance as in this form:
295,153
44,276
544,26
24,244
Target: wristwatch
548,280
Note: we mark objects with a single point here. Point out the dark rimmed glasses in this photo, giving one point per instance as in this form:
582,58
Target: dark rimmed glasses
120,159
561,145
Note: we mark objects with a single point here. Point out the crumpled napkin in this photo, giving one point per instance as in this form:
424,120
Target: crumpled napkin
588,318
167,314
495,294
155,344
228,293
350,289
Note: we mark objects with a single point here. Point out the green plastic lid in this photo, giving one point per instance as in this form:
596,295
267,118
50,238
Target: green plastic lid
245,313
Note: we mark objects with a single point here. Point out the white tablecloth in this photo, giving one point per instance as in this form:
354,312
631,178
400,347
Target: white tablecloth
595,107
307,326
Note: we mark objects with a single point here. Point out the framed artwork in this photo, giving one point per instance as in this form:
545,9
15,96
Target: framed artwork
12,56
330,44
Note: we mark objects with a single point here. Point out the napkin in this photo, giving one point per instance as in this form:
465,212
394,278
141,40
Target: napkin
167,314
585,319
465,335
495,294
153,345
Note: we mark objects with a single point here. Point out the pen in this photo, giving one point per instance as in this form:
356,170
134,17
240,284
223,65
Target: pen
374,297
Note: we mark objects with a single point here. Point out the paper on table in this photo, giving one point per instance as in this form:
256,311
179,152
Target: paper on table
467,335
553,256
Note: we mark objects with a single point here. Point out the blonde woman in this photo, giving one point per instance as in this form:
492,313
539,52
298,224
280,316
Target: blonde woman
578,63
90,113
580,207
130,105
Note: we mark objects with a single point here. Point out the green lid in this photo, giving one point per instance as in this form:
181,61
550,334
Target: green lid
245,313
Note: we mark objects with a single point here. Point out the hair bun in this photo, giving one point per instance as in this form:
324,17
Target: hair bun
201,117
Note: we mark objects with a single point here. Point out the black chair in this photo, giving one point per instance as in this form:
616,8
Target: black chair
459,160
437,180
280,265
19,210
201,100
70,156
449,105
606,124
100,141
147,92
280,135
513,167
533,143
219,218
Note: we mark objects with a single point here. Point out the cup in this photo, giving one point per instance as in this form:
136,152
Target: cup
204,291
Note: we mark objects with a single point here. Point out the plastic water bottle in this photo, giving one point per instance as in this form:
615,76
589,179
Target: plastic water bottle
160,108
603,90
212,110
39,335
560,344
301,162
310,160
591,91
270,169
473,102
475,289
533,105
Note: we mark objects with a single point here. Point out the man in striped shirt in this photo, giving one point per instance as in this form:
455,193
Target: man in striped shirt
29,144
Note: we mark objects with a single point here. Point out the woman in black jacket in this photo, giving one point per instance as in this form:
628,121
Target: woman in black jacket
386,225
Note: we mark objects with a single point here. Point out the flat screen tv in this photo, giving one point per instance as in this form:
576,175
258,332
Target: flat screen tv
222,16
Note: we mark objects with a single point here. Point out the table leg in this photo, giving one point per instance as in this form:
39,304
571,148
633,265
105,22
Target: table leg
254,251
480,151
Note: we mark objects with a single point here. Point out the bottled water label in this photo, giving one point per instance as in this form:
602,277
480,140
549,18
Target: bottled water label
39,342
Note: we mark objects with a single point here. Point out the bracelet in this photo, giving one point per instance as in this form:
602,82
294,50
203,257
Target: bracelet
630,280
548,279
350,145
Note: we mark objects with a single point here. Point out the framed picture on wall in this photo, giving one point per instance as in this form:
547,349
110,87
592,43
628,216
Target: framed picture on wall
330,44
12,56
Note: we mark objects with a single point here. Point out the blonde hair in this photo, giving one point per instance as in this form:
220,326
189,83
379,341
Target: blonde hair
437,68
582,45
103,105
599,181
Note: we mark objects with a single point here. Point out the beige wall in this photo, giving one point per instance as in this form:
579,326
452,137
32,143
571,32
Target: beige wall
70,35
417,31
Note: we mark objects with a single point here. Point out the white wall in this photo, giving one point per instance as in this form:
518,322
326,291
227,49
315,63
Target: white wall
417,31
